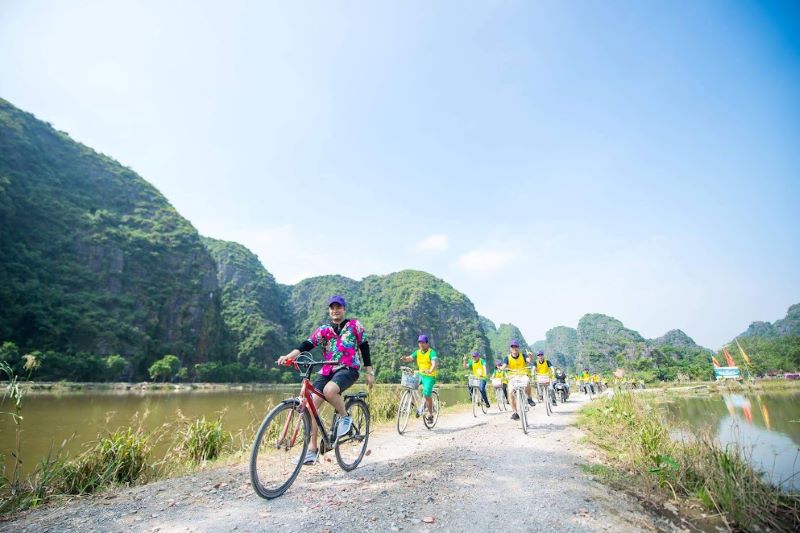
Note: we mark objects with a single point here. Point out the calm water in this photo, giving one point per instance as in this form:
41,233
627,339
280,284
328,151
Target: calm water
79,417
765,425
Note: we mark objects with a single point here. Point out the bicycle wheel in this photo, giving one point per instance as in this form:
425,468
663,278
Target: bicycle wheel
547,400
475,397
350,448
403,411
483,404
435,400
278,450
523,417
498,397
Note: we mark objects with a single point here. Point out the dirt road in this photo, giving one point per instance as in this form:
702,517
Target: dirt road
468,474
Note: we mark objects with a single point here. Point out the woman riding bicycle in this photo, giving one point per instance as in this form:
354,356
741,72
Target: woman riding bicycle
426,362
341,342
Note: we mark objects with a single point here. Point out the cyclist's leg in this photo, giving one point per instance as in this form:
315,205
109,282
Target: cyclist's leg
341,380
427,389
505,391
483,392
320,383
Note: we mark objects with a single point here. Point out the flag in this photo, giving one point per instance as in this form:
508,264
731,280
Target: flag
744,355
714,360
728,356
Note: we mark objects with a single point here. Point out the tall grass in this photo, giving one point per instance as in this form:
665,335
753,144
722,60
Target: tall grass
637,440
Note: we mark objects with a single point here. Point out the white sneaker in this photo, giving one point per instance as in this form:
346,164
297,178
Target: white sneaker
309,459
345,423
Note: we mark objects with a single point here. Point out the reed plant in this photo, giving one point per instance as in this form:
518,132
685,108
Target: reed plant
204,440
637,440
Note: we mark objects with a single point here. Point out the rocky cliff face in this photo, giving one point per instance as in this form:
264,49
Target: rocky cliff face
92,257
254,307
500,337
561,346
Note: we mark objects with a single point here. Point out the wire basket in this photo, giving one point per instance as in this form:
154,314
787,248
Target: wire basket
497,382
475,381
543,379
519,382
409,381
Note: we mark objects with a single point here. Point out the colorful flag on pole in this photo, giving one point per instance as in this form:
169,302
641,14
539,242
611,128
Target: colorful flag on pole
728,356
744,355
714,360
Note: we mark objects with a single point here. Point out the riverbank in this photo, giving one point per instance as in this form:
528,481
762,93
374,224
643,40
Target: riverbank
642,457
468,474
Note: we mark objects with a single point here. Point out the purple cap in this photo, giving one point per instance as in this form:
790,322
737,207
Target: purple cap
514,342
337,299
475,354
422,338
539,353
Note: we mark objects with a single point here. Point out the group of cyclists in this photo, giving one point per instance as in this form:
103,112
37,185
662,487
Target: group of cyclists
345,349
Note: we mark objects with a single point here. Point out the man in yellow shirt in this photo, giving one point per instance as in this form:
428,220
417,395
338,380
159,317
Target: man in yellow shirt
515,363
542,367
426,362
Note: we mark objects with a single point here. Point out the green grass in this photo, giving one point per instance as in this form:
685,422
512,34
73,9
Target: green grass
638,447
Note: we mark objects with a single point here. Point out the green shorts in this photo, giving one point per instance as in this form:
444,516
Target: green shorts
427,385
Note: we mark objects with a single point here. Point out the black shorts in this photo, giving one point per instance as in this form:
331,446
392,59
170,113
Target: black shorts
344,377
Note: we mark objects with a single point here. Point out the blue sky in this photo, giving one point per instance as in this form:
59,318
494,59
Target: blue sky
549,159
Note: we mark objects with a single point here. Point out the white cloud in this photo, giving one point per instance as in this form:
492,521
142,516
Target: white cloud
485,260
433,243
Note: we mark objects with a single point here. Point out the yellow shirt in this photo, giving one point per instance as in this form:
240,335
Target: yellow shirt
543,368
424,361
499,374
478,368
516,364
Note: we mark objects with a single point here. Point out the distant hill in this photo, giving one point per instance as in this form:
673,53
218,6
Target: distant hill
500,338
772,347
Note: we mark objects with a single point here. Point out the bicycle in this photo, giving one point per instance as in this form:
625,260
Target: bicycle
281,442
543,389
499,395
474,384
518,384
411,398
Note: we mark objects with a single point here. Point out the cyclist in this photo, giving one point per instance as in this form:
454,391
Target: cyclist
478,367
426,362
586,381
514,363
500,374
341,342
542,367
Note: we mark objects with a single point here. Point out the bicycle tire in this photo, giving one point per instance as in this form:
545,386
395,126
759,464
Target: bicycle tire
358,435
547,401
474,402
403,411
259,469
436,406
483,404
523,417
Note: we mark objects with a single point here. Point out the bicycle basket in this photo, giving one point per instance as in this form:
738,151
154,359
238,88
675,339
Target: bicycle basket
497,382
409,381
475,381
542,379
519,382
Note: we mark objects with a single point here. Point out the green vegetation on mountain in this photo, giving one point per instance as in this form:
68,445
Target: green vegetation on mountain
771,347
93,259
254,309
500,337
561,346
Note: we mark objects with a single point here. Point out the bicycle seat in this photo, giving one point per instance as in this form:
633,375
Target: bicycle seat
359,395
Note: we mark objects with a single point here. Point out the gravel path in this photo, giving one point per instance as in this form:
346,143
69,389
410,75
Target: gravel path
467,474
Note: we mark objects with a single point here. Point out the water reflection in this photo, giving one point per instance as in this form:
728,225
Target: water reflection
772,443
